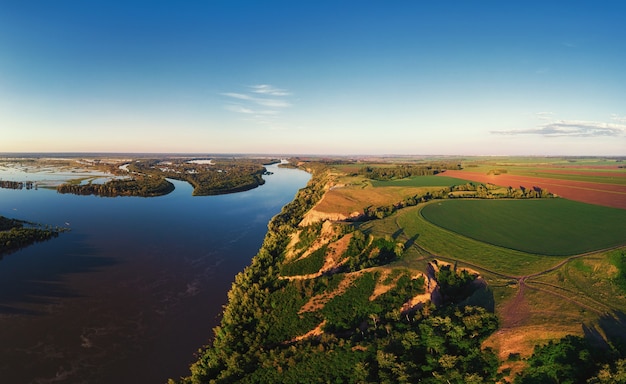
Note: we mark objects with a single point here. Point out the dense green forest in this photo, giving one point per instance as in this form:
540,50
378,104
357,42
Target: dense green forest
16,234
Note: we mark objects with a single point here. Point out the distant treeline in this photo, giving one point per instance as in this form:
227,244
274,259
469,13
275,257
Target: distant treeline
403,171
17,184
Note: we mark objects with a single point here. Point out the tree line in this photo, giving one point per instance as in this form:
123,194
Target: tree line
406,170
17,184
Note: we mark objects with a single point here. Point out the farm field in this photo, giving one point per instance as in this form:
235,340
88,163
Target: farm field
610,195
544,226
421,181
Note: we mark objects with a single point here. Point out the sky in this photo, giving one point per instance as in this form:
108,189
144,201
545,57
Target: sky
314,77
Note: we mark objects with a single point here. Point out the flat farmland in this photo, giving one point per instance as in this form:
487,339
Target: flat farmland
609,195
556,227
420,181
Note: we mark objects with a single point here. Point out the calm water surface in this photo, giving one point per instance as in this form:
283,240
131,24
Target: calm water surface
134,290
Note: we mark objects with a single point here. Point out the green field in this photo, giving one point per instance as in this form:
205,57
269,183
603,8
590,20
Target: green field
420,181
547,226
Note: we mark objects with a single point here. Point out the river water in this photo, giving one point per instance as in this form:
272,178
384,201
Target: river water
135,288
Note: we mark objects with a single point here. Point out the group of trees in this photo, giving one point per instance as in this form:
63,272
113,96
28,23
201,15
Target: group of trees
574,359
17,184
144,186
403,171
16,234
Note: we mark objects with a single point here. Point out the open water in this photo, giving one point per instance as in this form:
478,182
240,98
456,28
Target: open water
135,288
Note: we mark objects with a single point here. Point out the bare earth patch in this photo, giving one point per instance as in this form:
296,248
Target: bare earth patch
317,331
317,302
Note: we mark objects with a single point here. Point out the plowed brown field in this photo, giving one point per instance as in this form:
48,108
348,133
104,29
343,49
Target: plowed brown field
609,195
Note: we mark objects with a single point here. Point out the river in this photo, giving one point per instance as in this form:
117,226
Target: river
137,285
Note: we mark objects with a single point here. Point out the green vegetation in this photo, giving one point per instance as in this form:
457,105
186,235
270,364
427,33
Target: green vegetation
16,234
144,186
420,181
380,251
546,226
404,171
304,266
572,360
618,259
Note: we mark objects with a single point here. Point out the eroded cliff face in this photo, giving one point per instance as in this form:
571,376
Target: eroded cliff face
314,216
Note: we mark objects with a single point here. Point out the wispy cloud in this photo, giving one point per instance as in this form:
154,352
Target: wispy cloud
262,103
569,128
266,89
618,118
544,115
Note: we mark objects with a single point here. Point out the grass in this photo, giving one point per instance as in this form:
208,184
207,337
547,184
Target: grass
544,226
410,225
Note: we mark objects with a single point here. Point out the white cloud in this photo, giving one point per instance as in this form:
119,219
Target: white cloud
544,115
239,96
570,128
262,101
269,90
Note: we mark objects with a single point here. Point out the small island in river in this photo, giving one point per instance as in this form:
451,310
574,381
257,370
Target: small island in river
16,234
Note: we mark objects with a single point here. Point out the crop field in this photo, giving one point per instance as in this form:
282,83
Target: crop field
610,195
421,181
546,226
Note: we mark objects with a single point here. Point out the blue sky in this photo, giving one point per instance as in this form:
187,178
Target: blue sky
314,77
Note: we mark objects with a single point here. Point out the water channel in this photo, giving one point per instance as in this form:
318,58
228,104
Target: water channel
135,288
